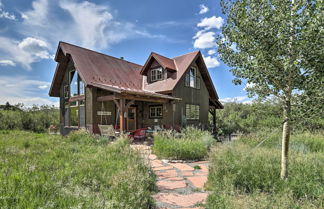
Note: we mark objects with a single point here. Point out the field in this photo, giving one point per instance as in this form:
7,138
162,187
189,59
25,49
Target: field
79,171
246,174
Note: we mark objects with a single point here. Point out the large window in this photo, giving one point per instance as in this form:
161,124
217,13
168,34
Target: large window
156,74
74,114
156,111
76,84
192,112
191,79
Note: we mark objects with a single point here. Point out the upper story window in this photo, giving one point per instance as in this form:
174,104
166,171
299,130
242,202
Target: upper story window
192,79
76,84
156,74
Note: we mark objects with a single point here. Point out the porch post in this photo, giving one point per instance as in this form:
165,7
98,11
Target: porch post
121,115
214,121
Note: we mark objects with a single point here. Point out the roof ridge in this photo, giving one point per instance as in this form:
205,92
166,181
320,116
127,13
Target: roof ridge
197,51
161,55
100,53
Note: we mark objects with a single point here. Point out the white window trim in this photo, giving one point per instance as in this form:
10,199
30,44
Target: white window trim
196,109
153,109
155,72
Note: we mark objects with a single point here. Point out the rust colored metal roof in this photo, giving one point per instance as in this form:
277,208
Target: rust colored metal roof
165,62
182,63
107,72
118,89
97,67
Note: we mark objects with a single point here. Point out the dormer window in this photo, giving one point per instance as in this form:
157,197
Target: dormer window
156,74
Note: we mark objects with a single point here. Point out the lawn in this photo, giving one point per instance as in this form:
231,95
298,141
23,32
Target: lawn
79,171
244,175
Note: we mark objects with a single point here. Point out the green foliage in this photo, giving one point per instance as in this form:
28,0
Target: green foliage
248,177
265,116
77,171
37,119
192,145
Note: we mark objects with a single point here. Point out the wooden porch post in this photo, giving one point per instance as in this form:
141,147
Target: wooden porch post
214,121
121,115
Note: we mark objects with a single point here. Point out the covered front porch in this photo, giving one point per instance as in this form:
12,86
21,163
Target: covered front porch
127,111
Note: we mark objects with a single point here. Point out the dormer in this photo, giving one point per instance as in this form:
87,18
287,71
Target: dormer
158,68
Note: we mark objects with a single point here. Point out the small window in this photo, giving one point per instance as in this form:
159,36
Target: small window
156,74
74,114
156,111
192,112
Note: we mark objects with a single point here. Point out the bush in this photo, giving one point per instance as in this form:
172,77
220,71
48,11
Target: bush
77,171
37,118
239,174
192,145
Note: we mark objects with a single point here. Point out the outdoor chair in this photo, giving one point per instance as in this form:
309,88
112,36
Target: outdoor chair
108,131
138,134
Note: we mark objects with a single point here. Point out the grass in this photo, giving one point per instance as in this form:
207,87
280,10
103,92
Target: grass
242,176
193,144
78,171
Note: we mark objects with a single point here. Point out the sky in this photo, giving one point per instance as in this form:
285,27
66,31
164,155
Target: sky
31,30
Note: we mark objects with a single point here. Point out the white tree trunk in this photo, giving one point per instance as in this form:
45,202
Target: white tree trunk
285,140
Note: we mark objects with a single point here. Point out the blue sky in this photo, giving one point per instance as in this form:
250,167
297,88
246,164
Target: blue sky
31,30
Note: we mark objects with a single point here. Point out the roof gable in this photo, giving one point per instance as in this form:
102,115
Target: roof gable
95,67
165,62
182,64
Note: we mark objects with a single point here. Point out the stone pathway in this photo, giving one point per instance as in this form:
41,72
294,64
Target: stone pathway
180,185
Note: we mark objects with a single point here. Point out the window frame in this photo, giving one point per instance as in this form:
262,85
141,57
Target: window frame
156,73
195,78
155,107
196,113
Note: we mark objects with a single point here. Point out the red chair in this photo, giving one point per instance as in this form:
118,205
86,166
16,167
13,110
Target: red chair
138,133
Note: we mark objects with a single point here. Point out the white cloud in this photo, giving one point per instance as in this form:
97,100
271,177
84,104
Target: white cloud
211,22
204,40
203,9
211,62
85,23
5,14
35,46
211,52
25,52
7,63
238,99
43,87
22,90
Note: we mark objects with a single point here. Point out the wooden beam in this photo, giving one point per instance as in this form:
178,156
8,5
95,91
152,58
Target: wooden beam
145,99
129,104
108,98
116,103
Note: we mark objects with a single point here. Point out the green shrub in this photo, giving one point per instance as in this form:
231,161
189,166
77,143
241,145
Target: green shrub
77,171
192,145
238,172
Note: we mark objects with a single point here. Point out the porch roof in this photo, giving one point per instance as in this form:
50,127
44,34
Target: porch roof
120,89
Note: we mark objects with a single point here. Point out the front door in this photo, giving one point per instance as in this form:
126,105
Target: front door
131,119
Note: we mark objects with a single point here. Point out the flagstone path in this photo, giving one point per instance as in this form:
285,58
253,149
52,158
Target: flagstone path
180,185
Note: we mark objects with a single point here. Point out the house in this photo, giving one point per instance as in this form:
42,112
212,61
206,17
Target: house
95,88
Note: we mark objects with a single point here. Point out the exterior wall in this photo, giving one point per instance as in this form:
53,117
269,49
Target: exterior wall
64,130
192,96
167,115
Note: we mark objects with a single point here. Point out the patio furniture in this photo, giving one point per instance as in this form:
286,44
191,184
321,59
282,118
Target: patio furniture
138,133
108,131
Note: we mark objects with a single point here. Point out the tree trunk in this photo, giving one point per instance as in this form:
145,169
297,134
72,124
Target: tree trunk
285,140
